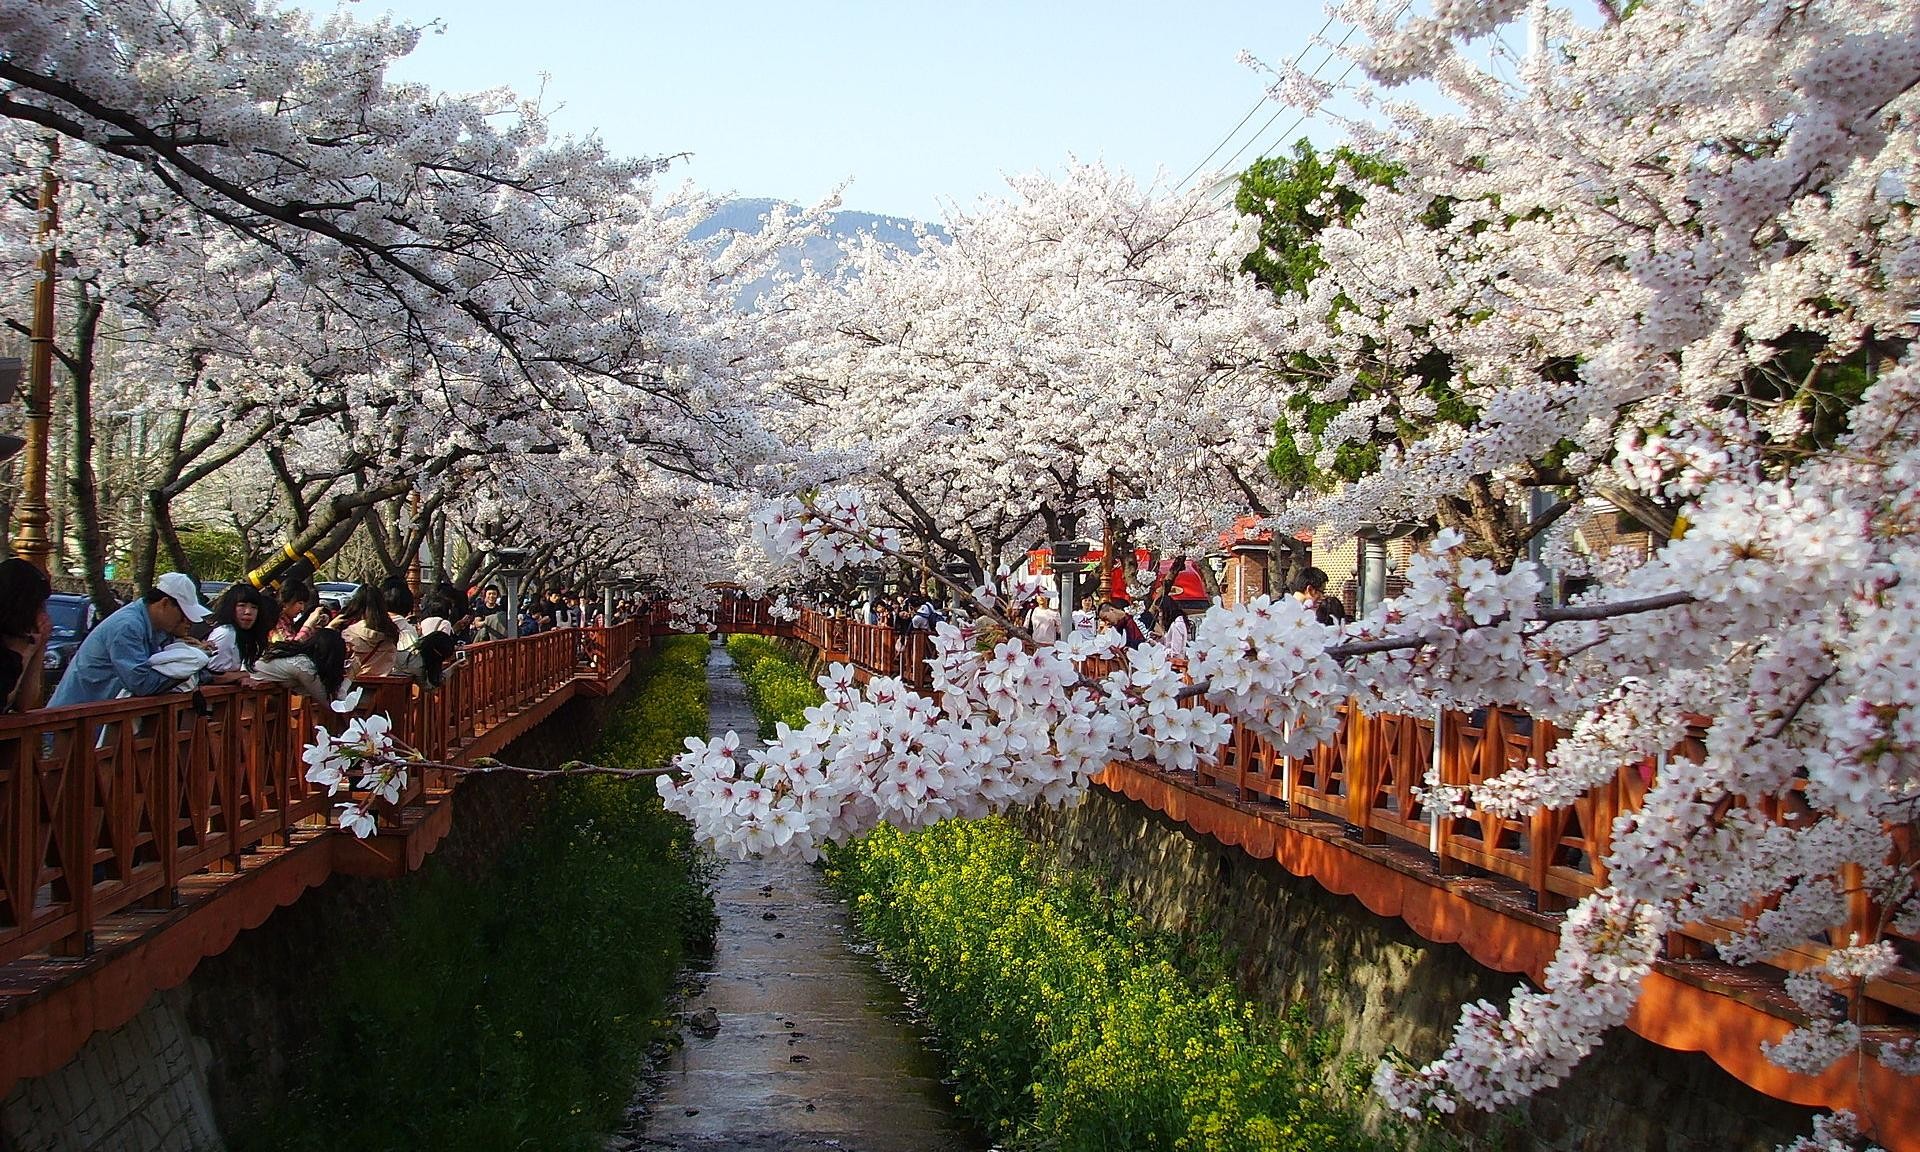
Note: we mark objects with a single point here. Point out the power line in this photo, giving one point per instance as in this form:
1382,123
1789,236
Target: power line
1257,105
1304,116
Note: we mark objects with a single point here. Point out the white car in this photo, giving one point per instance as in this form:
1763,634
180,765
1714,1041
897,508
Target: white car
335,593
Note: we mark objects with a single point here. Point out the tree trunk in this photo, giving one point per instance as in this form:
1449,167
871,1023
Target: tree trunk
83,494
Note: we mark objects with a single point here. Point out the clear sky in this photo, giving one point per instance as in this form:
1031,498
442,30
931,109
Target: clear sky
917,104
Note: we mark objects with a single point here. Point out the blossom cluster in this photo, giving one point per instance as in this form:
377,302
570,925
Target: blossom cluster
366,750
1014,725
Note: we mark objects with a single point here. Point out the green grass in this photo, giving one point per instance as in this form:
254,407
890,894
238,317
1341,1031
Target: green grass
514,1012
777,687
1070,1026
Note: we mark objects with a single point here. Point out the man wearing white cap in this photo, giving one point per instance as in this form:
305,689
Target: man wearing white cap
114,657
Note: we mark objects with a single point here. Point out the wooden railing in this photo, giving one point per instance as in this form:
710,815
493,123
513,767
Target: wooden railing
1369,775
108,806
872,649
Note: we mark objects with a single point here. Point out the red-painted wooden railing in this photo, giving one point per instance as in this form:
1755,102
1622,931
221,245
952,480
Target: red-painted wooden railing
108,806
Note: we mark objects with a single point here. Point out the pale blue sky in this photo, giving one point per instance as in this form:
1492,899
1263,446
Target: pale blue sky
918,104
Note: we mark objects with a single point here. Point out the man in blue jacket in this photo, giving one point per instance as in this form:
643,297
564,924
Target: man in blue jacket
114,655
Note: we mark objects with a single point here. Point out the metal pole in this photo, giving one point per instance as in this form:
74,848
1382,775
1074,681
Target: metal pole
1539,502
1373,575
415,564
513,607
30,540
606,606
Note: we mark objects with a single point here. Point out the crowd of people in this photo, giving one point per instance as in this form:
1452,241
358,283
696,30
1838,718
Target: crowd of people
168,640
1165,616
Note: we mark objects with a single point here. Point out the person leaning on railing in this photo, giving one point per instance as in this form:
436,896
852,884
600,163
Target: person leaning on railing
1173,630
427,658
114,656
315,667
24,628
373,634
243,620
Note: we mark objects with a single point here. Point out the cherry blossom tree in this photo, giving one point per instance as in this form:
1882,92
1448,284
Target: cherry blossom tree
1676,263
359,294
1080,352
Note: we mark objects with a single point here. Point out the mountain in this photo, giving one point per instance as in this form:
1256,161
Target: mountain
823,251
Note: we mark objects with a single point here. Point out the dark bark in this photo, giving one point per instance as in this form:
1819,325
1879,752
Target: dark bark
83,490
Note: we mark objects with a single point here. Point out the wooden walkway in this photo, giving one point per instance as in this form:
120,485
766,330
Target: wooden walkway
191,826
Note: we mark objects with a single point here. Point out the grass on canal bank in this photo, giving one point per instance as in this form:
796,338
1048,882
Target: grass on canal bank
778,688
1069,1026
513,1012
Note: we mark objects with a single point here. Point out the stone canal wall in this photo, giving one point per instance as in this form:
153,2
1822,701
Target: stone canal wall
1379,987
214,1053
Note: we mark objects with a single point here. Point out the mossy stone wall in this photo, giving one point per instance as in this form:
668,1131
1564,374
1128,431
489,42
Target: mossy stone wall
1378,986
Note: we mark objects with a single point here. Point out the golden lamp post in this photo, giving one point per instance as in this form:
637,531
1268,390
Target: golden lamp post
30,539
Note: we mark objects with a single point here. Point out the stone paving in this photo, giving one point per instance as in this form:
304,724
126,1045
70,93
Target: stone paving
813,1048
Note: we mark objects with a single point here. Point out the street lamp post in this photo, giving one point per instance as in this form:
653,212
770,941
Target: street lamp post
872,580
511,565
959,574
31,542
1371,586
1217,564
1068,558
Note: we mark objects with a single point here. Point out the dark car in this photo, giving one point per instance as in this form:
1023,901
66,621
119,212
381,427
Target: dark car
73,617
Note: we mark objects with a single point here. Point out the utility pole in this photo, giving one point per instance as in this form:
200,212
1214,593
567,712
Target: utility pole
30,539
1536,66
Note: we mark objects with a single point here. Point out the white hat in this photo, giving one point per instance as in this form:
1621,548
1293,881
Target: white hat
180,586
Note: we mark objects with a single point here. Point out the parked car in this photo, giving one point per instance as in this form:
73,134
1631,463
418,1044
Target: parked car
73,617
335,593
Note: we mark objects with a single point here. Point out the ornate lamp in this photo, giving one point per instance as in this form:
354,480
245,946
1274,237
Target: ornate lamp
510,564
1069,560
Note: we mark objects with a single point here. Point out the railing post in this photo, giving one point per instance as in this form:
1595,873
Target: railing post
23,816
1363,770
164,805
1434,810
1286,772
75,817
1450,758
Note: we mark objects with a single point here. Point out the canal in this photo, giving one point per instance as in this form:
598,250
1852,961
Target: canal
795,1040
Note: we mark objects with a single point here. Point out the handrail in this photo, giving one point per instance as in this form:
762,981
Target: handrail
109,806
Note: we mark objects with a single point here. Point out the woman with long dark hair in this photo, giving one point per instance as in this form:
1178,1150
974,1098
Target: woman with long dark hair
315,667
243,621
373,638
24,628
425,658
443,608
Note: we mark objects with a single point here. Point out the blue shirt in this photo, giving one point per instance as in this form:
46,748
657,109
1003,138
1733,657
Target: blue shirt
113,657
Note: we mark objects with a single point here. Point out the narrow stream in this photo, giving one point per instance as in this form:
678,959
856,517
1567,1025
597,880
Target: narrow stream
814,1049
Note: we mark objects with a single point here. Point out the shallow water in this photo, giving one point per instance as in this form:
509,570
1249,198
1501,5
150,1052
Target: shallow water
814,1048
